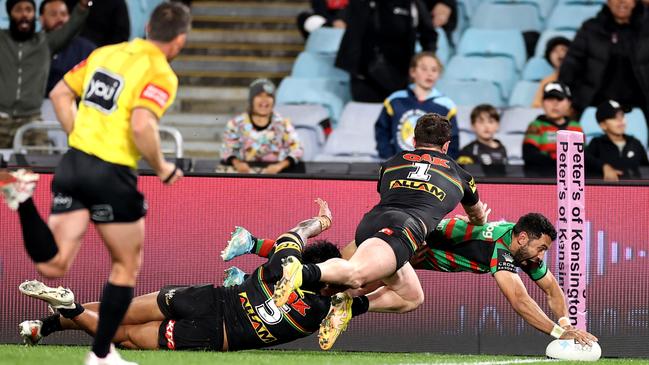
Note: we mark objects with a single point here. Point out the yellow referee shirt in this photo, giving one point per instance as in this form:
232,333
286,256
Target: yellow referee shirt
111,82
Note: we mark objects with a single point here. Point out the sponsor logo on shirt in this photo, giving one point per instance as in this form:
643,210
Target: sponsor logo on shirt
257,324
103,90
419,185
155,94
387,231
406,128
61,201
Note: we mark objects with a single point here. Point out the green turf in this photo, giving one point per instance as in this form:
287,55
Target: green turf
53,355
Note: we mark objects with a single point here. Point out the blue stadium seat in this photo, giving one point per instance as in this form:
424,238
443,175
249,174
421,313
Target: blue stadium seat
358,115
499,70
494,42
350,145
4,17
315,65
537,69
329,93
515,120
514,145
546,36
544,6
471,92
139,12
523,17
636,125
463,118
444,50
324,40
523,94
571,16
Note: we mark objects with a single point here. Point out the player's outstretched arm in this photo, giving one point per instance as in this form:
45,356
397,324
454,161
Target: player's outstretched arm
316,225
556,300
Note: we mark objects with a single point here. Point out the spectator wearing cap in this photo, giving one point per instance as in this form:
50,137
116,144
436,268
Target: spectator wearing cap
609,58
25,63
539,144
555,51
614,155
53,15
261,136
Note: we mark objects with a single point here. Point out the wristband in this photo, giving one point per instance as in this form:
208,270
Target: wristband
557,331
564,321
173,173
325,222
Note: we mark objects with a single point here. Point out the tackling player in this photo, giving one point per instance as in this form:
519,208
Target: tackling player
204,317
418,188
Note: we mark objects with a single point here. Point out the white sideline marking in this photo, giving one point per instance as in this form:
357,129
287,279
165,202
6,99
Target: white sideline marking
503,362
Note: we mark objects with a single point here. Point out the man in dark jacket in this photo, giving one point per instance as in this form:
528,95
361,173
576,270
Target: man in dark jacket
108,22
614,155
609,58
379,43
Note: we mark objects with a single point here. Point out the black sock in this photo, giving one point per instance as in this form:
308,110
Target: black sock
310,274
360,305
51,324
39,241
114,303
71,313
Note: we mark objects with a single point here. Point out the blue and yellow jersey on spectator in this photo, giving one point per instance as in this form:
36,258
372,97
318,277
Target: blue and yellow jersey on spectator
112,82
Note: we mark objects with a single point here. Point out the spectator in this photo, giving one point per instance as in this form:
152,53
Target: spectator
26,56
486,149
261,135
609,58
327,13
614,154
444,15
395,127
53,15
379,43
539,145
555,52
108,22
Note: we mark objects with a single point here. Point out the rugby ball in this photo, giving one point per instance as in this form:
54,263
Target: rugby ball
571,350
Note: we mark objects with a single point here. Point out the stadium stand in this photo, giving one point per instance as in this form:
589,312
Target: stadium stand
471,92
536,69
569,16
329,93
317,65
494,42
498,70
138,12
325,40
521,16
523,93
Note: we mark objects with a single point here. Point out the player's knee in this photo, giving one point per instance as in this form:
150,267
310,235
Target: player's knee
413,303
125,275
356,279
52,270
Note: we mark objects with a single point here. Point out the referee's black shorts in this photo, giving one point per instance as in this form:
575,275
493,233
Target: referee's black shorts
402,231
107,190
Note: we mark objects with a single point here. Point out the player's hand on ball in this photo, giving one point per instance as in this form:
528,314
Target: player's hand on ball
580,336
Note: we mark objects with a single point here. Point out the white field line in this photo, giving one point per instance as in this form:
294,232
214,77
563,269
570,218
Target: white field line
503,362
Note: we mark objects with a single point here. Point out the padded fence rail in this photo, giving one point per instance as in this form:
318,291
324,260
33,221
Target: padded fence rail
189,223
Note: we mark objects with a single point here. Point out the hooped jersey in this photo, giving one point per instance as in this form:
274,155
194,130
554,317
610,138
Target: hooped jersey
425,183
459,246
112,82
252,319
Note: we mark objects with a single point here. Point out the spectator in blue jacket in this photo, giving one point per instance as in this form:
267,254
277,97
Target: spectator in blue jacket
395,127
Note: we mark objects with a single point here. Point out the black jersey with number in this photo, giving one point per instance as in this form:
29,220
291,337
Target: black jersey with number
425,183
252,320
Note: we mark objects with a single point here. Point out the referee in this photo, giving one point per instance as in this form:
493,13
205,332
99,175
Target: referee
124,90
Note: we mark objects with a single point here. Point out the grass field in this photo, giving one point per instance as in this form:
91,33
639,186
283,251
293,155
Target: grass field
54,355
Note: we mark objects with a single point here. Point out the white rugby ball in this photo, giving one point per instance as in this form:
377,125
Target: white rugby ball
571,350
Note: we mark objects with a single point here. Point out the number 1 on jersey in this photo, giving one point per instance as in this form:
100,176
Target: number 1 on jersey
421,172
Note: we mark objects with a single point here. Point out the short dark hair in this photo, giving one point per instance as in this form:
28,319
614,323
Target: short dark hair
168,21
41,8
432,130
484,108
320,251
536,225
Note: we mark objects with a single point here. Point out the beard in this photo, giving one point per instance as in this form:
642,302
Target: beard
525,260
19,35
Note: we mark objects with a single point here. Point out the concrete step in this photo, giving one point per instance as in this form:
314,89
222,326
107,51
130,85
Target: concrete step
249,9
210,100
217,79
202,149
243,49
198,127
251,36
232,64
243,22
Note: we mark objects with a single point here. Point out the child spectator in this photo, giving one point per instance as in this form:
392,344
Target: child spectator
614,155
539,145
261,135
485,150
395,127
555,51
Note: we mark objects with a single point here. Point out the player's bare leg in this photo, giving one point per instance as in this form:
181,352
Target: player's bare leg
68,230
402,293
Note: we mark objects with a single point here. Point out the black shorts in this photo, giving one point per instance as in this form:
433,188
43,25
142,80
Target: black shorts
107,190
402,231
194,318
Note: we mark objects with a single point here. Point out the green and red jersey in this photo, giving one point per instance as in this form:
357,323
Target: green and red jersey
456,245
542,134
